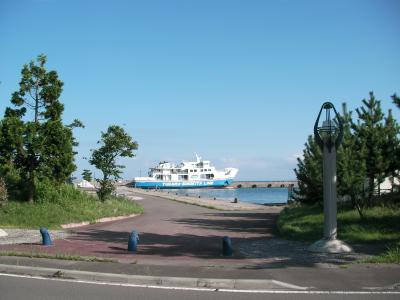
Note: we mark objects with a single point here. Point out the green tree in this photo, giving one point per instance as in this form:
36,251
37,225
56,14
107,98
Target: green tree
391,147
370,131
37,142
87,175
115,143
351,166
396,100
309,174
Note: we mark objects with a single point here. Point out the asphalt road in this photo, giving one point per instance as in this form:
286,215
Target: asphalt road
15,288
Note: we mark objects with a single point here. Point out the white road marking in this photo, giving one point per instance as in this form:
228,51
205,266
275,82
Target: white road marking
205,289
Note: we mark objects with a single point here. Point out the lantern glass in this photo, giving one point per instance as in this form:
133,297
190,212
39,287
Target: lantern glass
328,130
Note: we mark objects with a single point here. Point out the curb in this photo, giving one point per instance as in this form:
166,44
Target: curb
102,220
160,281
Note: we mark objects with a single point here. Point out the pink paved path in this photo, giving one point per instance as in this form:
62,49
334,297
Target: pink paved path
170,232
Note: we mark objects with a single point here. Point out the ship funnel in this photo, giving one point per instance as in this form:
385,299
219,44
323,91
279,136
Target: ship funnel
198,158
231,172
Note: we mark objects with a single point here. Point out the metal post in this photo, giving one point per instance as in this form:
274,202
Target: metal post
328,137
330,195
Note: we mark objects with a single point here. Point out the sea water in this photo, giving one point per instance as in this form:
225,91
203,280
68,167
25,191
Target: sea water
252,195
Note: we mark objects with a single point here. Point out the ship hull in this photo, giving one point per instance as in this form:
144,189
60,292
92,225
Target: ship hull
217,183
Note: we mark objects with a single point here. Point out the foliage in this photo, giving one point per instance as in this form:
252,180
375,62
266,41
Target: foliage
396,100
392,147
115,143
63,204
309,174
87,175
33,139
3,192
351,165
370,131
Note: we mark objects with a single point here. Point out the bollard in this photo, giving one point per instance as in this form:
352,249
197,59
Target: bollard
133,241
46,239
226,246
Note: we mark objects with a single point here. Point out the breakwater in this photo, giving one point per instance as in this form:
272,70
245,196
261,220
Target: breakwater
264,184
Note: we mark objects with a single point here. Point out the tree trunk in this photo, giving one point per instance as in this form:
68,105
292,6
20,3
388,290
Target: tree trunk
31,188
371,189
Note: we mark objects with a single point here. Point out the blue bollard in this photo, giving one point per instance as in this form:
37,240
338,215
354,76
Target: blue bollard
46,239
133,241
226,246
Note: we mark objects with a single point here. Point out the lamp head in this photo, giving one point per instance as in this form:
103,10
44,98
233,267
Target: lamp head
329,133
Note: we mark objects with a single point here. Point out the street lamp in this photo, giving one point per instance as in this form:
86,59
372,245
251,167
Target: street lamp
328,136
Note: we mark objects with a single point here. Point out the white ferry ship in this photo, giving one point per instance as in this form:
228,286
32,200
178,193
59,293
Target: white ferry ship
193,174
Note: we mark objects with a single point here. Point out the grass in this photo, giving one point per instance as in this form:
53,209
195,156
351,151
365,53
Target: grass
391,255
56,256
63,205
380,225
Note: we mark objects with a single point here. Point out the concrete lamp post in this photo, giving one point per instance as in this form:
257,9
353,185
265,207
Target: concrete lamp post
328,137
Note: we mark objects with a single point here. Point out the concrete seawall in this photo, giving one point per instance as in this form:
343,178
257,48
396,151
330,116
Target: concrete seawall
264,184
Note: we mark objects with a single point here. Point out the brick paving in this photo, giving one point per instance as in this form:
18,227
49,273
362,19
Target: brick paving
173,233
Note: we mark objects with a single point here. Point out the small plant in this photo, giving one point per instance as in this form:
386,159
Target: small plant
392,255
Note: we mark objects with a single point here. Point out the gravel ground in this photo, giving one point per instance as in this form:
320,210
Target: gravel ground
283,252
22,236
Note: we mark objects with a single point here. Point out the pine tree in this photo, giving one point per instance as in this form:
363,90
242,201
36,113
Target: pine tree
351,166
38,143
370,131
396,100
391,147
87,175
309,174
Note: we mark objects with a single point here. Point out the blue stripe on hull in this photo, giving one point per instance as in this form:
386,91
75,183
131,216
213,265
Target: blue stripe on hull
182,185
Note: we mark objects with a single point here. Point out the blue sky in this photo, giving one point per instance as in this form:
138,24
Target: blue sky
238,82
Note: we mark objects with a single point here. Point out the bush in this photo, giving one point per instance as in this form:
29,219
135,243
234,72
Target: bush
106,189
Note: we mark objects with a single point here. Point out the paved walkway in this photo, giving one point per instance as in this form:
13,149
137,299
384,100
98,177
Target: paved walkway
174,233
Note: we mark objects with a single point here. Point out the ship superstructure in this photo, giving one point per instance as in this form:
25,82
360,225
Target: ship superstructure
192,174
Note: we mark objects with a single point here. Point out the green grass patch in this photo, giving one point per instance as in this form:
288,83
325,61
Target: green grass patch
63,205
390,256
380,225
56,256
